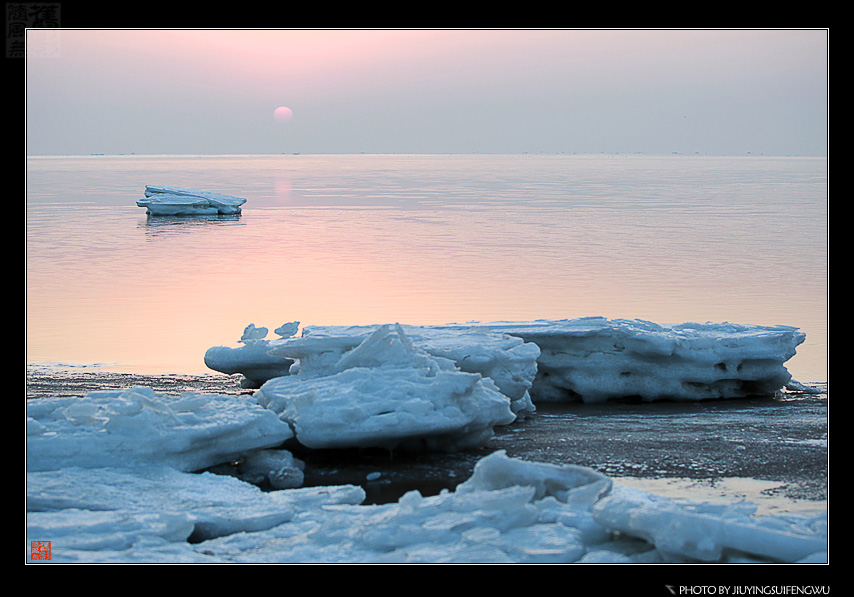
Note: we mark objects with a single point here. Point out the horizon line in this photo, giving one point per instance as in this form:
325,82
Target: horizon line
451,153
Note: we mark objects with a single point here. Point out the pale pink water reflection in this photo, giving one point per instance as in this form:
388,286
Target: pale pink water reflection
414,239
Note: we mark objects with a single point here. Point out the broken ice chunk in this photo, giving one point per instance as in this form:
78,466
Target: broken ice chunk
178,201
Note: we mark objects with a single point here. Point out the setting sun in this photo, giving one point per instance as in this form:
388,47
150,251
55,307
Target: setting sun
283,114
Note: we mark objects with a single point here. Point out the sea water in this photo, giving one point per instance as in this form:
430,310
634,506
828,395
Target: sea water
416,239
362,239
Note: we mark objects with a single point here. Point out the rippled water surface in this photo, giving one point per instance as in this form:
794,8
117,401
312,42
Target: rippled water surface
361,239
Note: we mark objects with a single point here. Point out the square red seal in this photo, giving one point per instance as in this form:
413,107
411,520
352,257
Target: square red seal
39,550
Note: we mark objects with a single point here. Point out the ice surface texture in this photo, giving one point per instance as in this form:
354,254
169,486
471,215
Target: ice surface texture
113,476
252,360
392,385
509,511
449,386
136,427
383,392
594,359
177,201
590,359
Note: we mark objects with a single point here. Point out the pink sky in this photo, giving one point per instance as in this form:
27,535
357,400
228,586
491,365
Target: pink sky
214,91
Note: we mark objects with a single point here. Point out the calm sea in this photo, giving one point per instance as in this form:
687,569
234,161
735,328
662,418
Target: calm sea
362,239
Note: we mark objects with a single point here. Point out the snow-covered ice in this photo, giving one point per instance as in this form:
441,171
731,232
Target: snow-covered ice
384,392
387,393
134,427
178,201
136,476
508,511
393,385
509,361
592,359
386,386
156,513
252,360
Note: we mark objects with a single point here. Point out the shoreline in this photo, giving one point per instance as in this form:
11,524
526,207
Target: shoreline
771,451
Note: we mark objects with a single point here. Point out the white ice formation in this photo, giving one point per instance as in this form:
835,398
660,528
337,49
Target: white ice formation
97,491
590,359
137,427
252,360
384,392
386,386
508,361
449,386
594,359
131,475
177,201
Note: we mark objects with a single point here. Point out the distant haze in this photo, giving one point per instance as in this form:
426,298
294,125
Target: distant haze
724,92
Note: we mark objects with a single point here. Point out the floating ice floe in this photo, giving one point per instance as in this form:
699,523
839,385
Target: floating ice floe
177,201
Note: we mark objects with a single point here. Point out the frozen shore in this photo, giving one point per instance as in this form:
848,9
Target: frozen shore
407,444
700,452
772,451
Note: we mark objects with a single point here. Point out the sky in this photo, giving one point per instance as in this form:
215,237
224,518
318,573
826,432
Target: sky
215,91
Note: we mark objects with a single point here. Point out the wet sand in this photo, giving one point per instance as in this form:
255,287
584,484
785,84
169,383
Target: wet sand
770,451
